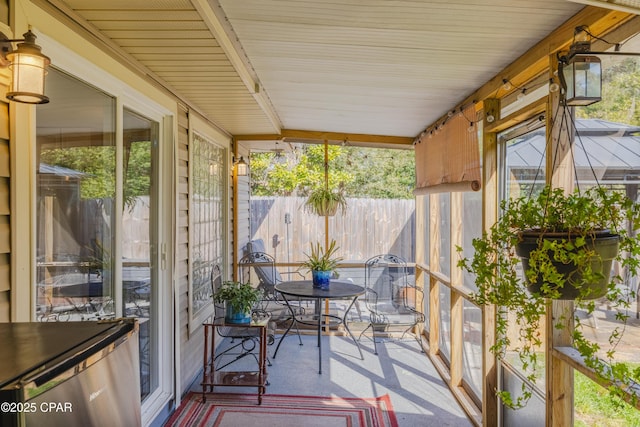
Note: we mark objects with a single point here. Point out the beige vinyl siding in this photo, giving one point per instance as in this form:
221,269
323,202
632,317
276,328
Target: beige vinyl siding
191,336
190,349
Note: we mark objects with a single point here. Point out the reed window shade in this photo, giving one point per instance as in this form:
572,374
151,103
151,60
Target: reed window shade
449,159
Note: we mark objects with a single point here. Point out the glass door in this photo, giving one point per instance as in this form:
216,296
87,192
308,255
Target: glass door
75,195
97,216
139,239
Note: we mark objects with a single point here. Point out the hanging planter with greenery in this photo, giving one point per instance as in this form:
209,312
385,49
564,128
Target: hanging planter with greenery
552,244
567,243
325,202
562,260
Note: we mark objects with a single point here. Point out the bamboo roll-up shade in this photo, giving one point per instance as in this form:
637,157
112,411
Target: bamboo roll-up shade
449,159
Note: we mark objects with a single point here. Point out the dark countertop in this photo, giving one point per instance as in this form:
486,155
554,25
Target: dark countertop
29,347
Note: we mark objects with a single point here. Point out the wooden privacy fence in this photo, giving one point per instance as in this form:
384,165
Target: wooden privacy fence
369,227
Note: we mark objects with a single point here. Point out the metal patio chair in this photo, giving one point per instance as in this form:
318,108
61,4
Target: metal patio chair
268,277
392,300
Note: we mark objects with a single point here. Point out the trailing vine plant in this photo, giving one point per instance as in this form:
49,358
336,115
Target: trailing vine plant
557,266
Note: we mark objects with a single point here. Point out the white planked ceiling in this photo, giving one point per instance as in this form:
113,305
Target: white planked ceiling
381,67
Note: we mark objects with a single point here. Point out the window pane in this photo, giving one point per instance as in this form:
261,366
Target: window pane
532,415
207,219
471,228
75,189
427,298
139,288
445,321
523,175
444,227
422,216
472,348
524,164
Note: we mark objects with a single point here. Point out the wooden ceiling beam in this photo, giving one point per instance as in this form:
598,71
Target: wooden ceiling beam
349,137
535,108
258,137
320,137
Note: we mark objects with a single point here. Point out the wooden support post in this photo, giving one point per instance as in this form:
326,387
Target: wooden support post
326,217
234,225
559,394
326,187
560,173
489,312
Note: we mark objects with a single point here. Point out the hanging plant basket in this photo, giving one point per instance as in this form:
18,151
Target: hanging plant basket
585,272
327,208
325,202
553,245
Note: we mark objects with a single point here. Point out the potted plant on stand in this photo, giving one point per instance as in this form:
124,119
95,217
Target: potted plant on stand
557,246
322,263
239,299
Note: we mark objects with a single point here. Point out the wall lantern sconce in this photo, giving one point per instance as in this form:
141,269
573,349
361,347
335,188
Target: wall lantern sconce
580,71
28,69
242,168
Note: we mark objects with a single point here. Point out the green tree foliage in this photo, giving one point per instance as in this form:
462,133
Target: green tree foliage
296,172
97,164
381,173
620,94
138,171
360,172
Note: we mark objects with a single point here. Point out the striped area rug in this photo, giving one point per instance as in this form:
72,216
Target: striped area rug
242,410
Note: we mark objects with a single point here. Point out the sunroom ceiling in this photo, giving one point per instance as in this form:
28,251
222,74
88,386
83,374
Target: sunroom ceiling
374,67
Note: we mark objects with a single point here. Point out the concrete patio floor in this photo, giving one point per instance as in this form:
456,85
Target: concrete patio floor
418,394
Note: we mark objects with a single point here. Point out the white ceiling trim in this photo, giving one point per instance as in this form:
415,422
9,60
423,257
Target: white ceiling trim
205,8
622,6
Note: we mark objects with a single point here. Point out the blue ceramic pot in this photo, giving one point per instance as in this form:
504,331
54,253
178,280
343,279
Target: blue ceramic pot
233,316
321,279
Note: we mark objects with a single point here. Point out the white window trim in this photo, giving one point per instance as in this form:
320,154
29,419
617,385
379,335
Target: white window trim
198,126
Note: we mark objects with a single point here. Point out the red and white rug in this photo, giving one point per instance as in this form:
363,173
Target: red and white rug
242,410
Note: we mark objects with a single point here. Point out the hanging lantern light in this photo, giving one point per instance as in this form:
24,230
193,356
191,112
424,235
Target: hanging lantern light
583,80
581,73
28,69
242,168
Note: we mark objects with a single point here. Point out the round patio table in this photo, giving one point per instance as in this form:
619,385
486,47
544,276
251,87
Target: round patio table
303,289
